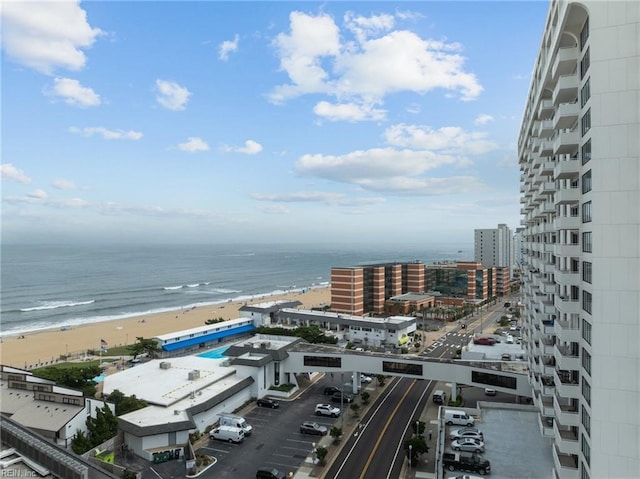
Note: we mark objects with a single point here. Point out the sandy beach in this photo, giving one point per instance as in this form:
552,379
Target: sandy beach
43,347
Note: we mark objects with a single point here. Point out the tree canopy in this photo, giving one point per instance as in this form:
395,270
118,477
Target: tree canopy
144,346
313,334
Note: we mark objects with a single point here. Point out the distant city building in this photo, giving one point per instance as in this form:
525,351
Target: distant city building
579,158
379,289
493,247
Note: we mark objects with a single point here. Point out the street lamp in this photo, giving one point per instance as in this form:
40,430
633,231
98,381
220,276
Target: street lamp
410,448
313,444
417,427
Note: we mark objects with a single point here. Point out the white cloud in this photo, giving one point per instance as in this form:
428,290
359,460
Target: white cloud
364,27
38,195
73,93
250,147
10,172
63,184
194,145
369,67
483,119
334,199
348,111
448,139
47,35
274,210
227,47
106,133
171,95
360,167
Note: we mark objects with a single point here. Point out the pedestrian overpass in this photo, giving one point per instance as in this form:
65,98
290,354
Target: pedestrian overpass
504,376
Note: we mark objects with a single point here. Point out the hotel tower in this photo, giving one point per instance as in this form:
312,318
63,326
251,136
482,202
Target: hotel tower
579,155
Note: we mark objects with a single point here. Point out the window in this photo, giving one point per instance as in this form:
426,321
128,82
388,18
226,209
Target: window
586,391
587,246
586,212
586,361
585,93
586,182
323,361
586,151
586,301
73,401
586,420
585,122
403,368
584,64
586,331
584,34
586,271
586,450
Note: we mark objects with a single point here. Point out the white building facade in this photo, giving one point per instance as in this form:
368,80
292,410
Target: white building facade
579,155
493,247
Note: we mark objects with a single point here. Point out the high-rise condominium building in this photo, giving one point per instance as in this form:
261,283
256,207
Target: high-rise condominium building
579,154
493,247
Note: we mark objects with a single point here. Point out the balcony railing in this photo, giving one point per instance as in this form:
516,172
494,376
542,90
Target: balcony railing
567,169
565,61
566,115
566,464
566,89
566,141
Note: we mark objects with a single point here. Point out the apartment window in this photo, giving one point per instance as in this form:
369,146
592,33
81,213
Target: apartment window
586,182
586,301
586,331
586,361
586,271
585,93
586,450
584,34
586,151
585,122
586,391
586,212
587,246
584,64
586,420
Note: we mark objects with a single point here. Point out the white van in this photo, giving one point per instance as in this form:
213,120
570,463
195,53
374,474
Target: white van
227,433
439,397
227,419
461,418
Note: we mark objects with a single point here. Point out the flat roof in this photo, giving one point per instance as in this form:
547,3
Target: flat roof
185,333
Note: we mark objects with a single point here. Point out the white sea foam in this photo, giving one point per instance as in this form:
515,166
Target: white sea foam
171,288
56,304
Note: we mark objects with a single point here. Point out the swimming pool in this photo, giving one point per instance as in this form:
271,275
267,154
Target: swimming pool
214,354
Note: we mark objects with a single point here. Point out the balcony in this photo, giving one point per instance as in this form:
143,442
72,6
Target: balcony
548,287
547,167
566,465
566,250
535,146
546,128
546,425
566,439
567,277
546,346
547,187
566,115
567,169
565,359
547,406
567,195
566,90
568,387
548,366
545,110
565,61
567,331
566,142
567,222
546,147
566,305
565,414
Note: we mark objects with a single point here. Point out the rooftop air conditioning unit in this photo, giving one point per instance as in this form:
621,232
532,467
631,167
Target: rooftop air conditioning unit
176,412
165,365
195,374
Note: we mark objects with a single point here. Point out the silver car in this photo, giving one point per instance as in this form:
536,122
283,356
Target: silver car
468,444
466,432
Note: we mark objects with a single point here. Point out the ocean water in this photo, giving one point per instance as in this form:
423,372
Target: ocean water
58,286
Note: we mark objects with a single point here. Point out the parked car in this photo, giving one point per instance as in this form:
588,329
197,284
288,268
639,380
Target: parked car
341,397
468,444
466,462
310,427
268,402
327,410
466,432
365,379
484,340
489,392
329,390
270,473
467,476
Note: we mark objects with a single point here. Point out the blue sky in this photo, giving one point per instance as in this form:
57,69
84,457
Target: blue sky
374,122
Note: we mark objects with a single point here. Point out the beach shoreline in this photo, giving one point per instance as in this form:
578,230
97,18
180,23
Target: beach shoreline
44,347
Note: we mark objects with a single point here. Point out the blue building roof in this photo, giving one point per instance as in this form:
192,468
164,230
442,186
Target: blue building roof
208,337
